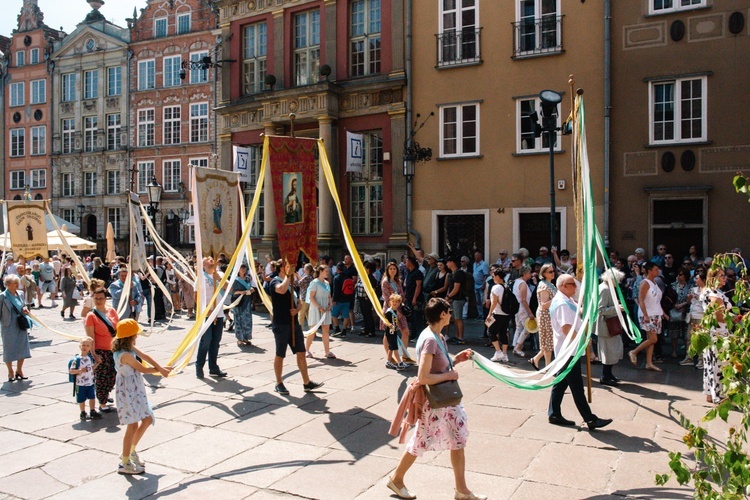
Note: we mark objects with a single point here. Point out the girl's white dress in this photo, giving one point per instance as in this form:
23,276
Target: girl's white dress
130,390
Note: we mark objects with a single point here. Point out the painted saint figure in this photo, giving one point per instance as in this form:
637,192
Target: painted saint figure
29,232
217,209
292,206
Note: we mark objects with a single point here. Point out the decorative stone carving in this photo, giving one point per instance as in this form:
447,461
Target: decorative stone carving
145,102
640,163
89,105
113,103
66,107
723,159
705,28
645,35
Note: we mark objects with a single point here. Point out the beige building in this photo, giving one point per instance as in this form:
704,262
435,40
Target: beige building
680,78
480,66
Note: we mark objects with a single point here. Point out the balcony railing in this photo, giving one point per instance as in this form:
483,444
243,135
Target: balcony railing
538,36
458,47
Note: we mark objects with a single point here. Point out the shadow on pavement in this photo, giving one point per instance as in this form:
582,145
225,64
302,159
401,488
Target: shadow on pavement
655,492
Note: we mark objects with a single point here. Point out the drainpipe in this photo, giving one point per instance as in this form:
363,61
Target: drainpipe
607,111
216,154
128,148
409,195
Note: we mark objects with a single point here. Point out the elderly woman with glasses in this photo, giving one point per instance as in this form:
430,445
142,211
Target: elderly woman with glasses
677,326
715,300
15,339
101,325
545,292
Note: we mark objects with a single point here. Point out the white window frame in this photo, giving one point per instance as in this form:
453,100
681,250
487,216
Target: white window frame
114,80
17,142
306,46
659,6
146,127
91,84
20,58
178,27
17,97
34,56
255,53
157,22
539,46
457,56
171,175
677,104
67,185
39,140
38,91
372,177
68,135
171,124
147,74
198,75
17,179
540,146
114,130
69,87
171,71
145,173
365,37
563,211
89,184
459,130
113,182
198,122
90,126
38,178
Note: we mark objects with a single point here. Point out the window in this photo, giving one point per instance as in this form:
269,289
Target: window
89,184
68,214
171,125
258,224
20,58
38,178
171,169
34,56
114,127
172,71
68,132
365,38
146,127
113,182
114,81
69,87
199,122
526,141
17,179
38,91
16,94
458,41
146,75
39,140
254,58
91,84
678,110
665,6
183,23
198,75
18,142
145,173
199,162
113,217
89,133
539,27
67,186
306,47
459,130
367,188
160,27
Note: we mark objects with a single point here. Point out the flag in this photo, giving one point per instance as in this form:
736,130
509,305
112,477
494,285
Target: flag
354,152
242,162
28,230
216,205
137,237
292,162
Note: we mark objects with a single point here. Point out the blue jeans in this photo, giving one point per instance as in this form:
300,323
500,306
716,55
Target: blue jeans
479,296
209,345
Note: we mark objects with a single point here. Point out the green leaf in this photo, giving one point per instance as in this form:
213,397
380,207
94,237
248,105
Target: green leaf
739,181
724,410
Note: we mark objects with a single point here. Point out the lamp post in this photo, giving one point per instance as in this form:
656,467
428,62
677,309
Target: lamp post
154,198
550,99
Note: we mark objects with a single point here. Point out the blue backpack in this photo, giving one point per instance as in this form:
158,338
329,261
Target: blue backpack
77,360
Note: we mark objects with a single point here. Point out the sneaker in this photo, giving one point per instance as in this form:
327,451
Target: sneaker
520,354
308,354
408,361
687,362
498,357
460,342
83,416
505,358
391,366
130,468
281,389
330,355
699,365
311,386
137,460
401,366
95,415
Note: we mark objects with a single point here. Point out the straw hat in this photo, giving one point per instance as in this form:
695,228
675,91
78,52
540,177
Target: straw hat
529,324
127,328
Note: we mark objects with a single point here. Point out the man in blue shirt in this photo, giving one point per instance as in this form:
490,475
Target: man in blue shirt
481,273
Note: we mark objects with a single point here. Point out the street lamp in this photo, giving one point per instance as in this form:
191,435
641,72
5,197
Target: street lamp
154,197
550,99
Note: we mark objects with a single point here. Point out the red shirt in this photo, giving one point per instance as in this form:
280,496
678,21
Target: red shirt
102,337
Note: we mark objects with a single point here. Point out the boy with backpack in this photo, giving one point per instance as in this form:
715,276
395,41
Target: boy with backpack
81,373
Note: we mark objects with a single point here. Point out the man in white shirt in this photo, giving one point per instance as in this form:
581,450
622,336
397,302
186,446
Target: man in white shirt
566,322
211,340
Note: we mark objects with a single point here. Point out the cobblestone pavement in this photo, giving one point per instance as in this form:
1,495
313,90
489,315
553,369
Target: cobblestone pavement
236,438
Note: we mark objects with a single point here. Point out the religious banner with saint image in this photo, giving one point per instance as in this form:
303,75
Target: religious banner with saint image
293,166
28,231
216,204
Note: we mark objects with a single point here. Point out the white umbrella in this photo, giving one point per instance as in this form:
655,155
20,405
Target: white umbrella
75,242
111,254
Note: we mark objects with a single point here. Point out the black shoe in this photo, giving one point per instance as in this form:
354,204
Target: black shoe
83,416
598,423
219,374
199,374
559,420
281,389
95,415
460,342
608,381
452,340
311,386
110,400
615,379
532,363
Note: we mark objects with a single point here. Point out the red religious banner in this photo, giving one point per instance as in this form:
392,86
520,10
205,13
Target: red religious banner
292,163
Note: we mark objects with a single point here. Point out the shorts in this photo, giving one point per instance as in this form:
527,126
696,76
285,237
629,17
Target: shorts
392,339
85,393
458,308
47,286
282,334
340,310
